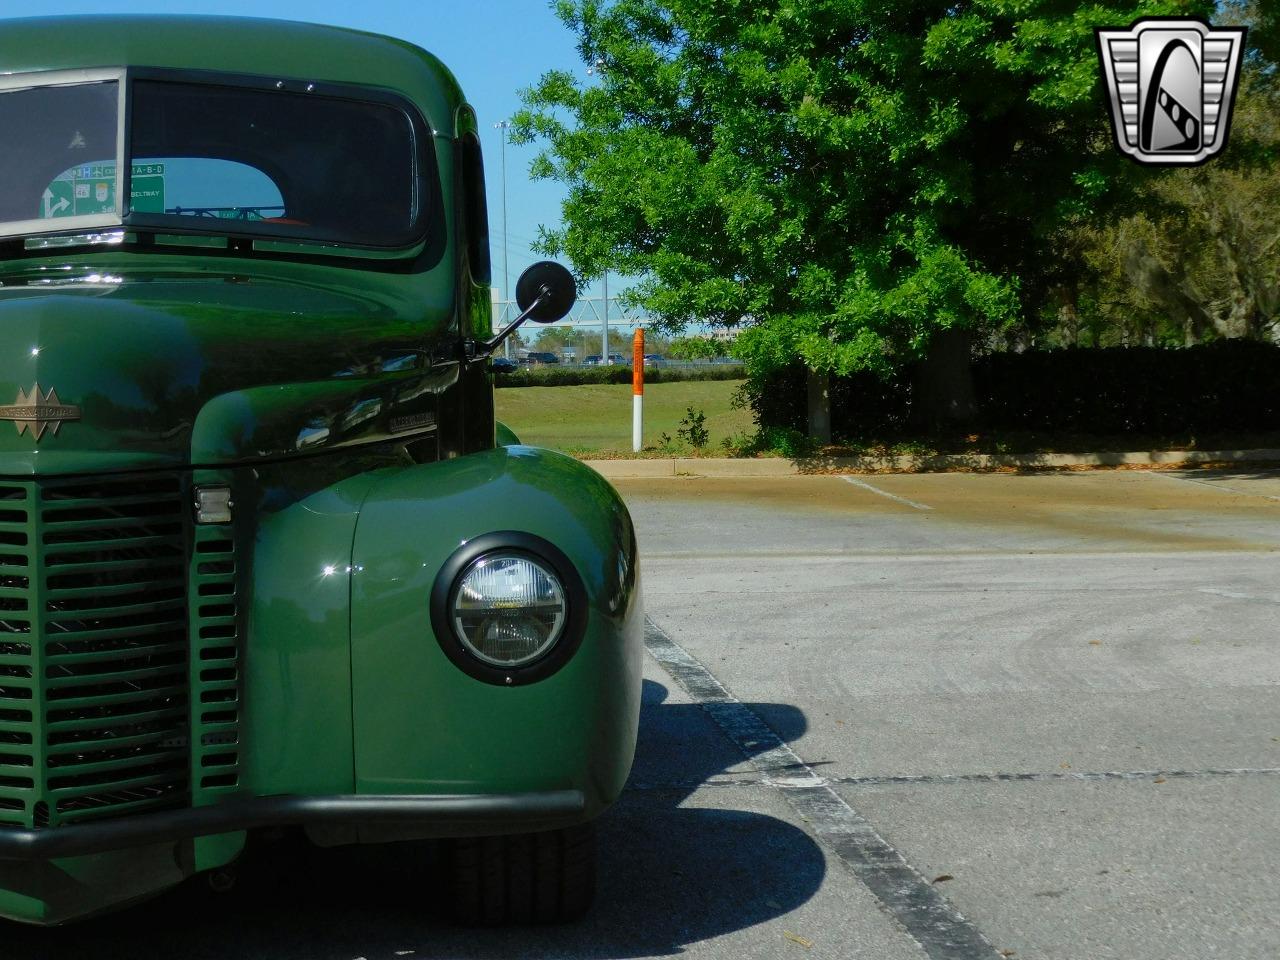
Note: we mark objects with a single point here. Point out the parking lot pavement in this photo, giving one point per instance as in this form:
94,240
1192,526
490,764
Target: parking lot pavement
1060,694
953,716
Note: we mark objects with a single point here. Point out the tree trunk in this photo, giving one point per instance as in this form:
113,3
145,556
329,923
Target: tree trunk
819,390
943,396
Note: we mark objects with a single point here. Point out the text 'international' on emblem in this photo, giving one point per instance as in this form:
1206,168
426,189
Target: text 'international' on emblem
36,411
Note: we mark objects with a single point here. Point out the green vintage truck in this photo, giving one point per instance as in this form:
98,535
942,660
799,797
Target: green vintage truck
266,560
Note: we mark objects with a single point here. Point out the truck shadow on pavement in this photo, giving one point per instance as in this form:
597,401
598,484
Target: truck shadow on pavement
691,851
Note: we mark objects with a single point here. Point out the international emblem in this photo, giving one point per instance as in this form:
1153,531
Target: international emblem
1172,83
37,412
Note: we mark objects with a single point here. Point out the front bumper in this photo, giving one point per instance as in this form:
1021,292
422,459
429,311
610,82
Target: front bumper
445,813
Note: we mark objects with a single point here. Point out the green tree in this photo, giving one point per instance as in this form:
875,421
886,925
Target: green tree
857,183
698,348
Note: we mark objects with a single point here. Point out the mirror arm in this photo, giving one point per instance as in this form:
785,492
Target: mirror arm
484,348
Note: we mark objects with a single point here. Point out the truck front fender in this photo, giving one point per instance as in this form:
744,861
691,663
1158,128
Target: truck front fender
422,724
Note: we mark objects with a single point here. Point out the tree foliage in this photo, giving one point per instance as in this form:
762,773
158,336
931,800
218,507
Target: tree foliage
585,341
698,348
843,178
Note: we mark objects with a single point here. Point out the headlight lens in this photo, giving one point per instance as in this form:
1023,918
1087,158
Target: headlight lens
508,609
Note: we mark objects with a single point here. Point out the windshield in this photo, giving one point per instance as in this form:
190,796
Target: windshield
212,159
49,132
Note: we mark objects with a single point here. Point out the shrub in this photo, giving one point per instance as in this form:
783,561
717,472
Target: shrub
693,429
1220,387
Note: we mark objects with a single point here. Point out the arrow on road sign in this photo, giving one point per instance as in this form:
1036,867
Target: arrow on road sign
52,209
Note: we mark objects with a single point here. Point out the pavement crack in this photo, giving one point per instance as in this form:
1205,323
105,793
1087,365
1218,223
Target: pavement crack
1064,776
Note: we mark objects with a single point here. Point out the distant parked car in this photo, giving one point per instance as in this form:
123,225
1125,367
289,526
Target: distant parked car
619,360
503,365
592,361
537,358
654,360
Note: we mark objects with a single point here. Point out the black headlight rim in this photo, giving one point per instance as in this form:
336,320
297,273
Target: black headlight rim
538,549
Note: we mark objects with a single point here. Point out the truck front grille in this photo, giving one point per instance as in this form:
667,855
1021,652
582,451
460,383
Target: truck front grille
94,710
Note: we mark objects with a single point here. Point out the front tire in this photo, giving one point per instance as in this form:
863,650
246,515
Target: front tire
523,878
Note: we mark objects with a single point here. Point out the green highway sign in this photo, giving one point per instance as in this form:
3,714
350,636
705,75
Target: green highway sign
90,189
146,194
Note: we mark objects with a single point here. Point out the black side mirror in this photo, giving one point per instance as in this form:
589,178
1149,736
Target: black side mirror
546,292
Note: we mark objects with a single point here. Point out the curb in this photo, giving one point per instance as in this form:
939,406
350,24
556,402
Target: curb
906,463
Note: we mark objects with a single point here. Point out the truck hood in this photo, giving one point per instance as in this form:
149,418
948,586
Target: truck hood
106,373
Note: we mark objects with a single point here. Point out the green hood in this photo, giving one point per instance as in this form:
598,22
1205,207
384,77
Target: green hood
205,369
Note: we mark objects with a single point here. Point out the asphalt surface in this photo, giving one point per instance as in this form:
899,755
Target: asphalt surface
943,716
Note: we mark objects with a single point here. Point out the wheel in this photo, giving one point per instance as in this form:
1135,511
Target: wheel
523,878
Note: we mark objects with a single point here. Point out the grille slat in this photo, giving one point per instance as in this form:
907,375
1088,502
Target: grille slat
85,747
163,600
106,772
69,632
63,571
72,547
64,594
137,800
71,725
105,504
98,656
121,675
111,785
123,697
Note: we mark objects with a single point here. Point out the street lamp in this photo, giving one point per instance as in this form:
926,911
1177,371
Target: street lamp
598,67
504,125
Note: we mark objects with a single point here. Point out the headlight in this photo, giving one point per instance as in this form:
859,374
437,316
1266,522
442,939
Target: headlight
508,610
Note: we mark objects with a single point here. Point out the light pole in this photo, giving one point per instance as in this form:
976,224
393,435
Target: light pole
504,125
598,67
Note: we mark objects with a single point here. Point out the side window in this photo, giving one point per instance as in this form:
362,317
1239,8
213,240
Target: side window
477,213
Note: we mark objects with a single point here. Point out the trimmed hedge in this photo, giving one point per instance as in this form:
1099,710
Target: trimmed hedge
552,376
1225,386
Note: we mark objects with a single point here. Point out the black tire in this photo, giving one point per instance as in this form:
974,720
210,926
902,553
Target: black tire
524,878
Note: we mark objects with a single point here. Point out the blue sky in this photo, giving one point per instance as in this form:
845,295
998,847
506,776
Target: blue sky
494,47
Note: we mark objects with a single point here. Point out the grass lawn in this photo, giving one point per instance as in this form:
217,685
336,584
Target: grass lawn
596,418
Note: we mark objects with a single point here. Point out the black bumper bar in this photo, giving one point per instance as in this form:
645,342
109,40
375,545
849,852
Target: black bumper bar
458,811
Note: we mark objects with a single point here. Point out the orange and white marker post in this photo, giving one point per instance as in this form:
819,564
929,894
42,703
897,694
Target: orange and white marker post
637,390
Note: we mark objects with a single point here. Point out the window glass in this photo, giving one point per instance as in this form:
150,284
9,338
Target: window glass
204,187
292,165
58,152
477,211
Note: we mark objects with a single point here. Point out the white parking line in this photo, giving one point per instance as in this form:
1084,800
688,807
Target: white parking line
885,493
1212,484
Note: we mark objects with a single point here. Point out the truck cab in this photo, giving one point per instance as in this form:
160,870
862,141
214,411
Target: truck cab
266,559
